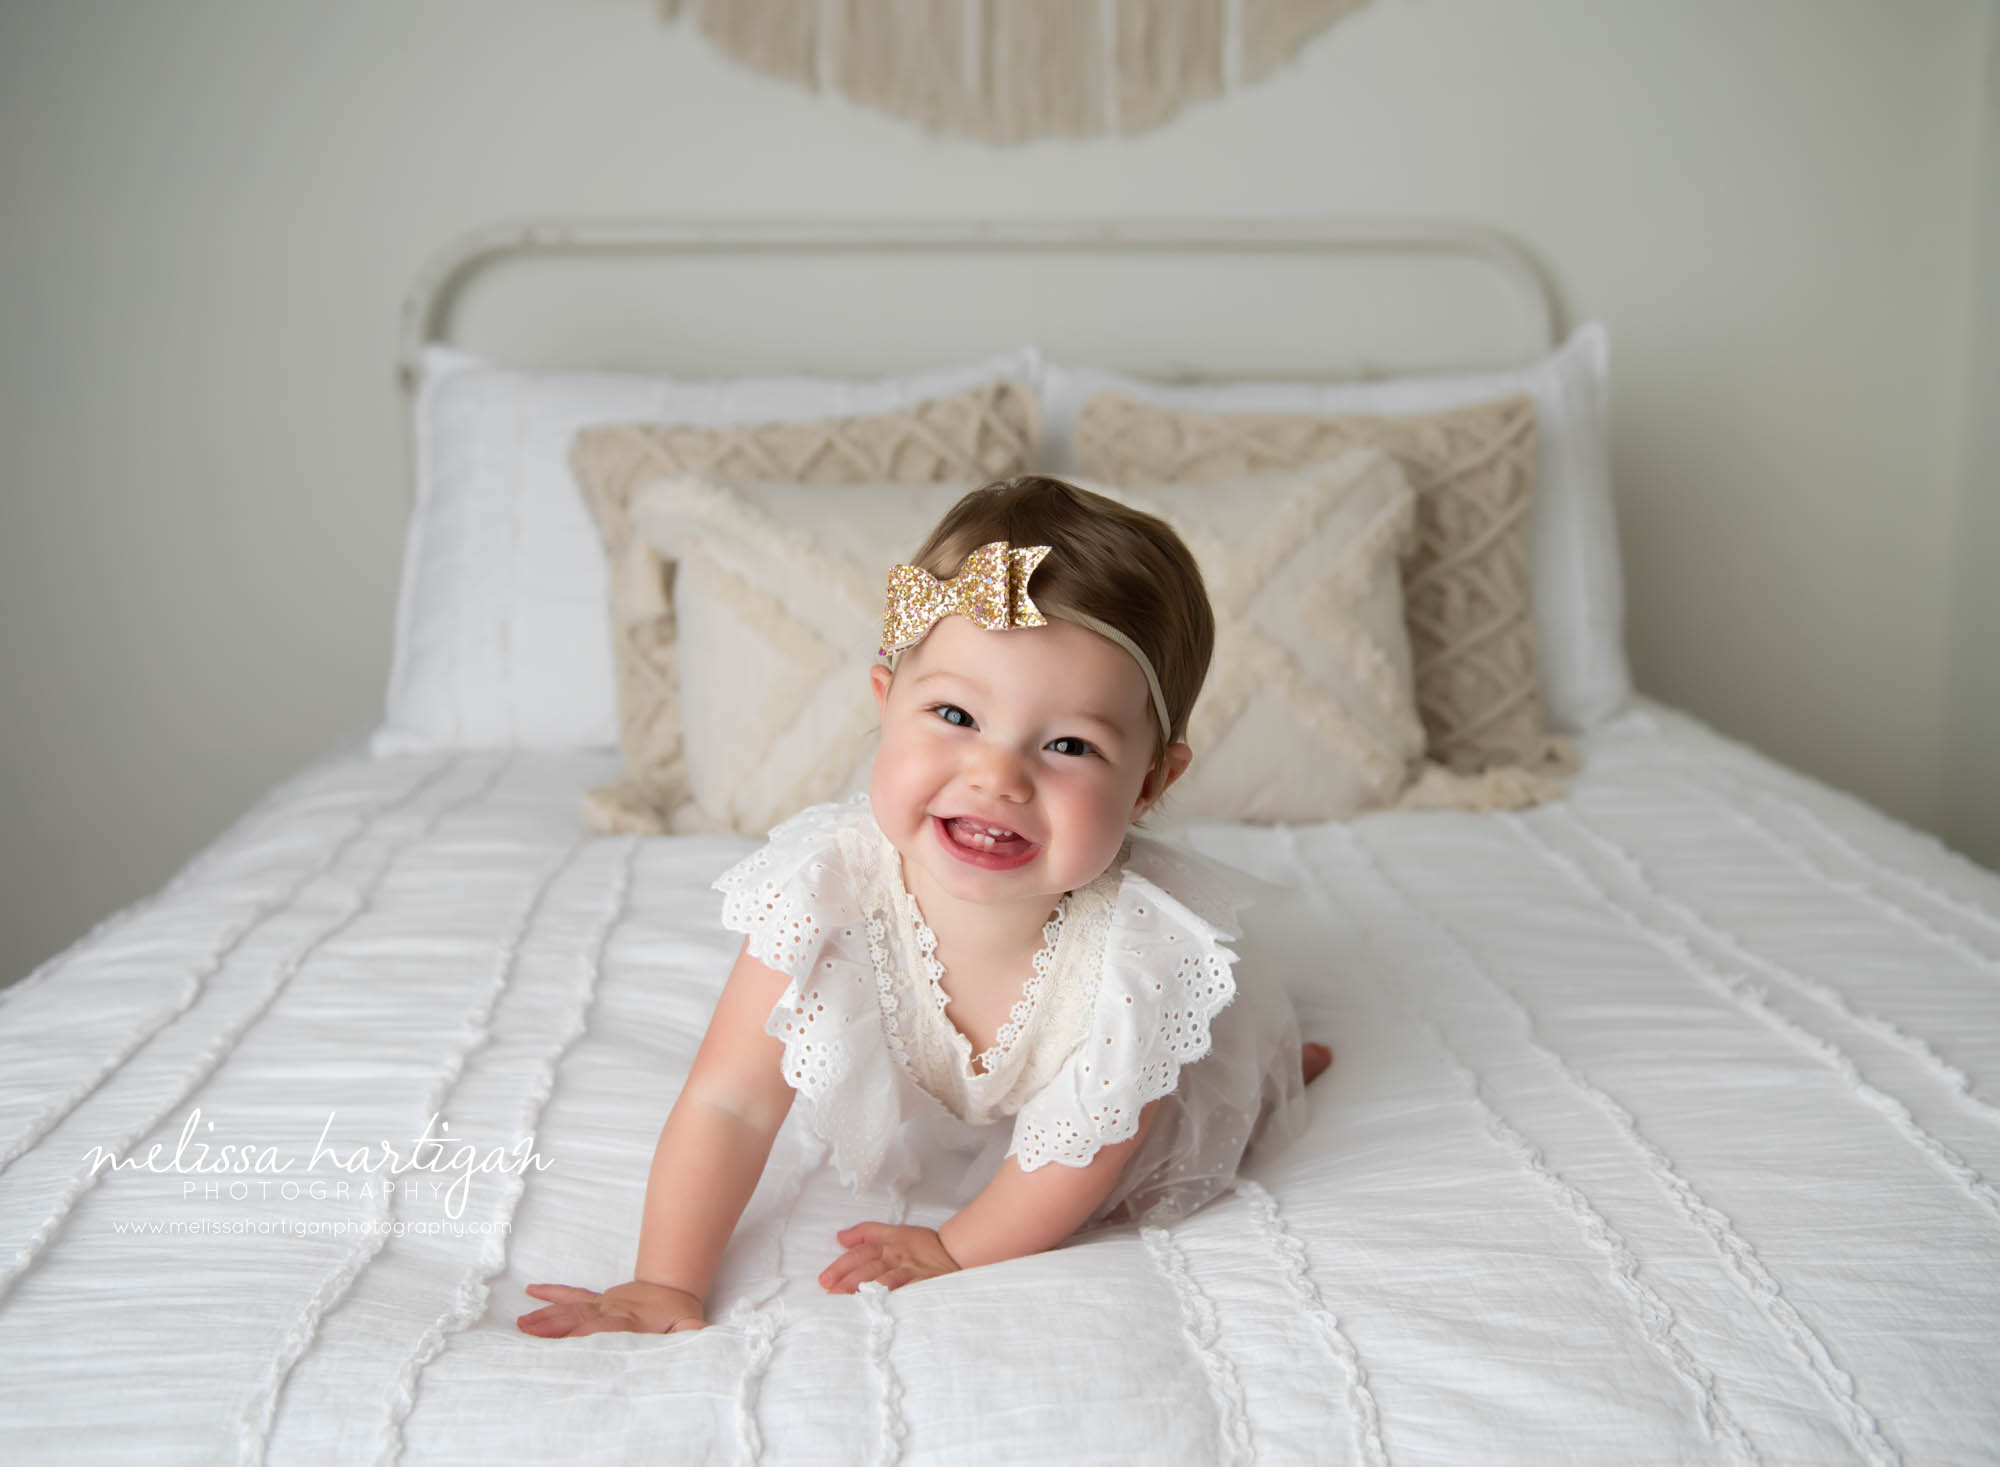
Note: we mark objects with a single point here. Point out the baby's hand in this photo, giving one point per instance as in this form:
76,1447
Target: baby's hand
887,1254
648,1309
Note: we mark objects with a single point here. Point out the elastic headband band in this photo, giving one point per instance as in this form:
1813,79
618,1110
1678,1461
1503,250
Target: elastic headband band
1112,634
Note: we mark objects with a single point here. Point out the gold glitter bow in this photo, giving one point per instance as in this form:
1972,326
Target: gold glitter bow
991,588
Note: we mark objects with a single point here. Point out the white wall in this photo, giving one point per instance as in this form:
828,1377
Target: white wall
1971,818
209,210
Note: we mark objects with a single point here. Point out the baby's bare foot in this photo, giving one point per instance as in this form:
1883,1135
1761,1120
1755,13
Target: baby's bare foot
1313,1059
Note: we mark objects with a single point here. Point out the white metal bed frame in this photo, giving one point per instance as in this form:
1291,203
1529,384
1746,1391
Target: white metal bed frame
427,307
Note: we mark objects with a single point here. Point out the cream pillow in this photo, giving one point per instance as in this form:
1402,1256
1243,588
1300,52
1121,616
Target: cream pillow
965,439
1465,579
1307,714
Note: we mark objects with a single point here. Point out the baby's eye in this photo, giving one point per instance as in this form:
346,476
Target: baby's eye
954,715
1075,748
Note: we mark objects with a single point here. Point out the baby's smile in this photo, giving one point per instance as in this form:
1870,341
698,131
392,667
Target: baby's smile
983,844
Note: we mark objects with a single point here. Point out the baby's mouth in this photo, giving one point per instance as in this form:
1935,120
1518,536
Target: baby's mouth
982,836
983,844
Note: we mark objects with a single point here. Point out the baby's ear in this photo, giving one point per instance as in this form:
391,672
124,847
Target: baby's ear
1173,764
879,678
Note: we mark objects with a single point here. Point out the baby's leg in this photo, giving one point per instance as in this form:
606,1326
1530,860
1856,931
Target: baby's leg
1313,1059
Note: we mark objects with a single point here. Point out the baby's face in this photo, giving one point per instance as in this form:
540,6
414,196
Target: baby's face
1044,734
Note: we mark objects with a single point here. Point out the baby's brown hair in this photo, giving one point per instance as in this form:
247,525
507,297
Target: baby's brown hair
1127,568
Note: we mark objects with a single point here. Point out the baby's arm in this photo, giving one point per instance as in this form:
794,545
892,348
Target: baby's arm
1017,1213
710,1154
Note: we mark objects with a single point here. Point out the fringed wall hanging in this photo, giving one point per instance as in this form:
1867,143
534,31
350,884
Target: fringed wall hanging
1010,70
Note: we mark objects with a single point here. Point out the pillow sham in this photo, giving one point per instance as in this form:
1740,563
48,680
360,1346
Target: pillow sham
1575,581
984,433
1465,578
499,633
1308,712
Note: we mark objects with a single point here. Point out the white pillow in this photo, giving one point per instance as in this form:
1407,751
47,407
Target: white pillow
1577,586
502,637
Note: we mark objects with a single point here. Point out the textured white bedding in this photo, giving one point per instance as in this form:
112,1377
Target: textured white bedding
1665,1127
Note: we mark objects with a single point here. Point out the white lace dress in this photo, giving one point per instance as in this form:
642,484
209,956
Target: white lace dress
1132,997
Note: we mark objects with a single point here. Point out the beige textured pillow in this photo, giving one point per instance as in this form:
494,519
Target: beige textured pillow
966,439
1465,580
1308,712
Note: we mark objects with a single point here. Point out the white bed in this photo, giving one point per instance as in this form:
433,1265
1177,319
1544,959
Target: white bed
1663,1128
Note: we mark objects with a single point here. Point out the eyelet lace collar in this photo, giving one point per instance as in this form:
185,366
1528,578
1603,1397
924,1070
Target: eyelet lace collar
984,1064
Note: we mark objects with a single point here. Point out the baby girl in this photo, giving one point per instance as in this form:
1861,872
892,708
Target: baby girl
983,937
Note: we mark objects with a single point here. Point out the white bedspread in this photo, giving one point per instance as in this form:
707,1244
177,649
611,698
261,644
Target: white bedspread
1665,1127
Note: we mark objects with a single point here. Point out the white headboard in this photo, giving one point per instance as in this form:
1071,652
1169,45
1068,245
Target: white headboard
1323,297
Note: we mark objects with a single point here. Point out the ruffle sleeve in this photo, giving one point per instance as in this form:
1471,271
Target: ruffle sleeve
800,901
1167,973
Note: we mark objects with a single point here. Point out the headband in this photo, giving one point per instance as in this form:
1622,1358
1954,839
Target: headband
991,589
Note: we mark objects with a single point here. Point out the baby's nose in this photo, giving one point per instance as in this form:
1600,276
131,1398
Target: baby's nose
999,773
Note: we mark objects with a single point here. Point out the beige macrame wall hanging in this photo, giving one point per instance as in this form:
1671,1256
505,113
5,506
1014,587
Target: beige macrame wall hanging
1009,70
